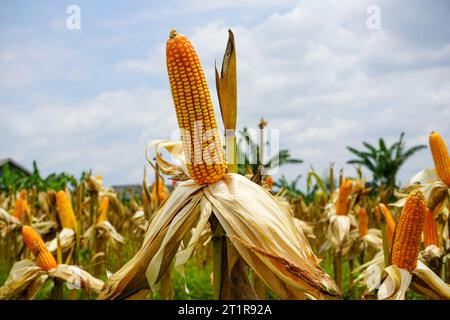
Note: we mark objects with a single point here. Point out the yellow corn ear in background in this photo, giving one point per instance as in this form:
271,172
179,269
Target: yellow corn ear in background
202,148
363,222
342,201
162,192
441,157
430,232
65,211
21,206
408,234
103,210
390,223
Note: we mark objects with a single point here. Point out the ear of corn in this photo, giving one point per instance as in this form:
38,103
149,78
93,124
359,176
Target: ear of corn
103,210
363,222
199,133
36,245
342,200
162,192
65,211
430,232
20,208
440,156
390,223
32,240
407,237
45,260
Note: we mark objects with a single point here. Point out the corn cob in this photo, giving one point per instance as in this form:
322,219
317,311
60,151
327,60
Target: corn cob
45,260
430,232
440,156
33,240
407,237
390,223
21,208
199,134
363,222
342,200
162,192
103,210
65,211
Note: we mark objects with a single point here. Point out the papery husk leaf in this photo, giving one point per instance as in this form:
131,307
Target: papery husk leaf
395,284
108,229
264,232
435,191
66,240
43,227
431,283
306,227
132,276
430,253
177,171
183,255
182,223
9,219
226,85
25,275
339,230
373,239
94,184
77,277
35,287
364,270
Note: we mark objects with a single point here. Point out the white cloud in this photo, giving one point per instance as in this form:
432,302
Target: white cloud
107,133
315,72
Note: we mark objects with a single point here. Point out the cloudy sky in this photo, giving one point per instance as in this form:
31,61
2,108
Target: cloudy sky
92,98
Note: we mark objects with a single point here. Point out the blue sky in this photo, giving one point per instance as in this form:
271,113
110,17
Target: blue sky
92,98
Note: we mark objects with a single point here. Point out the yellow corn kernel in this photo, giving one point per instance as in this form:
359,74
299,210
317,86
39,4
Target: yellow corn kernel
390,223
363,222
65,211
342,201
430,232
407,237
33,240
441,157
103,210
200,136
45,260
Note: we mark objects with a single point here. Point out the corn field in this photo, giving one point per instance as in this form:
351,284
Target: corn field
209,227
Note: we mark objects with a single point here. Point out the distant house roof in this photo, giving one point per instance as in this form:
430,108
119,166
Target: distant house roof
14,164
126,187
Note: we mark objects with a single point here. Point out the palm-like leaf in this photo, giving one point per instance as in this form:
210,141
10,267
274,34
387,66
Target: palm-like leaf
384,162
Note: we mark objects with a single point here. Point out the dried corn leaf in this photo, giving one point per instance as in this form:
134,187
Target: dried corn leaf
226,85
23,281
76,277
132,276
261,228
395,285
66,240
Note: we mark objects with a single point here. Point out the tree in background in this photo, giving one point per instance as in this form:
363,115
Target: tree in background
55,181
250,159
384,162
